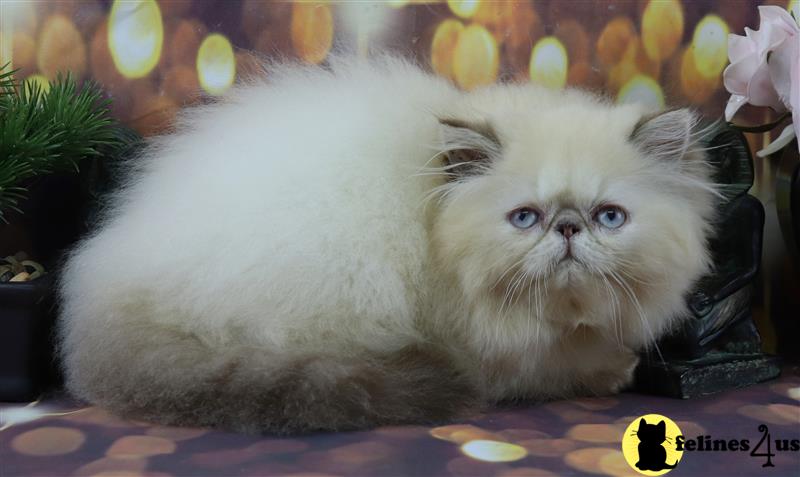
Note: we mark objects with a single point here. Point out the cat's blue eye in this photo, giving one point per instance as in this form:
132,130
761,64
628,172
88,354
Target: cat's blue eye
611,217
523,218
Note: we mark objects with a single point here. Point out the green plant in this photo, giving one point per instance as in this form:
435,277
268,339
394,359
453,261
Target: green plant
42,132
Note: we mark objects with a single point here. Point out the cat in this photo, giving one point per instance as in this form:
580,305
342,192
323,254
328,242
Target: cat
652,455
341,247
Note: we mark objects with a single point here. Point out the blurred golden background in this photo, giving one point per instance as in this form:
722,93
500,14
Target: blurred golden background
155,56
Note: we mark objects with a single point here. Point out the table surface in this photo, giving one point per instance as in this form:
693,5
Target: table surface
57,436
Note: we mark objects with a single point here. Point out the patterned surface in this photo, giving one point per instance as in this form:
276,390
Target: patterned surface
578,437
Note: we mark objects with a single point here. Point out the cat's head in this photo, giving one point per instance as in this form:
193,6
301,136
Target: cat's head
565,208
651,433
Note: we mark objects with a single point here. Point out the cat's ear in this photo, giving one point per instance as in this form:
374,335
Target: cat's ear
667,135
642,422
468,147
662,425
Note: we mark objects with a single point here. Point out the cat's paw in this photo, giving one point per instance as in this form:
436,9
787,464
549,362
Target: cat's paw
624,377
616,376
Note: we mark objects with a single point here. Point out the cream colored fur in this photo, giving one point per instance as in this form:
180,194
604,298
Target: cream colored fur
309,212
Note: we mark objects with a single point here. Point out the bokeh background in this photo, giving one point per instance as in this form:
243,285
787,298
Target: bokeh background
154,57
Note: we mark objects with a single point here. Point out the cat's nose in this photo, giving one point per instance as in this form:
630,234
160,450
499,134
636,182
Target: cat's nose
568,229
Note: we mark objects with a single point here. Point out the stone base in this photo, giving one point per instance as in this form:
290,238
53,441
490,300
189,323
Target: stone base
714,372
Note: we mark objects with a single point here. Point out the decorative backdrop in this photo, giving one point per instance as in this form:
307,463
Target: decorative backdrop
155,56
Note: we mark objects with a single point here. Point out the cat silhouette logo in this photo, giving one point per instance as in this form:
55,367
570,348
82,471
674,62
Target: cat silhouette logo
649,444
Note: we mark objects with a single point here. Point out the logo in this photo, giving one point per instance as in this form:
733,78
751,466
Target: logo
649,444
653,445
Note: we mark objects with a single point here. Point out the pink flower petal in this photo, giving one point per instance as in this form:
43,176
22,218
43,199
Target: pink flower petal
761,92
737,74
749,77
777,16
779,143
739,47
734,103
781,75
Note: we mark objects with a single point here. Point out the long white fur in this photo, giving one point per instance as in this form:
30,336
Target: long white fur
290,217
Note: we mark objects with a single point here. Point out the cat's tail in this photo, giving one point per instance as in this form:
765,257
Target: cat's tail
159,374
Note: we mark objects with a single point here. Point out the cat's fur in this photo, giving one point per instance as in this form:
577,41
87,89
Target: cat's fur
330,249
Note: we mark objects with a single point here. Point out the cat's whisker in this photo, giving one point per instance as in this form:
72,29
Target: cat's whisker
616,311
617,258
437,154
443,191
536,285
444,167
639,311
684,179
422,171
518,286
433,193
513,289
627,267
514,266
713,189
699,134
632,267
541,292
529,324
508,291
431,174
627,274
511,267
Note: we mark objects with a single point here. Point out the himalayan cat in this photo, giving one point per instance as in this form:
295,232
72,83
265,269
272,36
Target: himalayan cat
361,244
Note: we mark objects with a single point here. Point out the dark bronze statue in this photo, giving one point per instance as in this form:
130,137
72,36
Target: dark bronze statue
719,347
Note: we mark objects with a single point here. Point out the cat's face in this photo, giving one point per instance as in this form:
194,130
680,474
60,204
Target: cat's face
587,214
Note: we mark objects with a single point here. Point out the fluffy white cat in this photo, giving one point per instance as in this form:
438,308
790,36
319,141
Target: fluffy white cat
363,244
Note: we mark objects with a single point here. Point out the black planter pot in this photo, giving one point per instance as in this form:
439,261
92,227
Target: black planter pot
53,217
58,210
27,358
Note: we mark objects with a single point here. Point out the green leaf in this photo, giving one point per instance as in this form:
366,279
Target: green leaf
45,132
